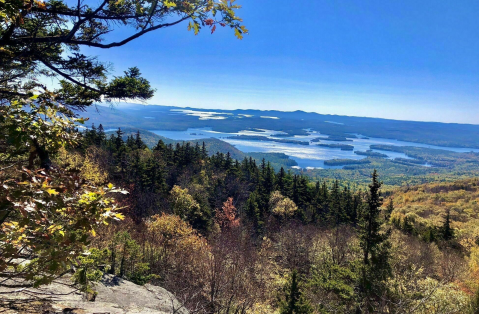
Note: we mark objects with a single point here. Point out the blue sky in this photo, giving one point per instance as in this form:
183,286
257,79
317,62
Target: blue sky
411,60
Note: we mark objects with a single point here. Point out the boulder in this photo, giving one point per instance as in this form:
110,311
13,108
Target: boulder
115,296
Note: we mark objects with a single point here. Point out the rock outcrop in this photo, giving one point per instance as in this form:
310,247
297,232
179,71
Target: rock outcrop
115,296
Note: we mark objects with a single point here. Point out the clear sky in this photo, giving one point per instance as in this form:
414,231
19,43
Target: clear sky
407,59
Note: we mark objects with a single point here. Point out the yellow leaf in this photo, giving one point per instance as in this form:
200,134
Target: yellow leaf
52,192
93,232
41,4
120,216
238,34
169,4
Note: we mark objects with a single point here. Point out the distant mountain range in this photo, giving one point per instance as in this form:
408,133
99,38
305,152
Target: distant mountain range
152,117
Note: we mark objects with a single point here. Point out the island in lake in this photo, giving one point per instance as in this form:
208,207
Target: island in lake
340,146
264,138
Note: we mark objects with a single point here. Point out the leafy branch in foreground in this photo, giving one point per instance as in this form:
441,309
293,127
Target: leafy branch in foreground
43,39
47,220
47,214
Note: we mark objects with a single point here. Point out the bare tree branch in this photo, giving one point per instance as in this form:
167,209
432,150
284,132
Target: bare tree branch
68,77
66,40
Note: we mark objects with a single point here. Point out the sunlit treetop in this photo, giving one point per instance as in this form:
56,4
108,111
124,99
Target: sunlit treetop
44,39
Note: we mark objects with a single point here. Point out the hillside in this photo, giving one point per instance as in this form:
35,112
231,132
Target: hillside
149,138
426,206
213,146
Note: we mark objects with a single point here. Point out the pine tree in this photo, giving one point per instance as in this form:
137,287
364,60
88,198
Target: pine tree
119,139
90,136
316,203
138,141
407,225
336,211
228,161
265,188
160,147
323,202
375,246
202,219
253,211
269,179
101,136
293,300
347,204
284,182
197,151
357,203
447,230
204,152
130,142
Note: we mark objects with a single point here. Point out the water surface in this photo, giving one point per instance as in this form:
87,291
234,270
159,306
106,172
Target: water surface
312,156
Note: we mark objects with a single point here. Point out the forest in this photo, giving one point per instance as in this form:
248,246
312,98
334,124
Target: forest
230,236
224,232
270,235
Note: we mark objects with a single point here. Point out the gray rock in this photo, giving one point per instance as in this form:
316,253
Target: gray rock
115,296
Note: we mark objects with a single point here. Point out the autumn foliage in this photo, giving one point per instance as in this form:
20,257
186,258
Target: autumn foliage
226,217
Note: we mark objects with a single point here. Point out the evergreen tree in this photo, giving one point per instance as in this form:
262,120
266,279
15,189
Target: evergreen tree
204,152
228,161
447,230
323,202
90,135
119,150
130,142
264,190
280,180
293,300
357,203
253,211
407,225
347,204
160,147
316,203
119,139
430,234
375,247
101,136
197,151
202,219
336,210
138,141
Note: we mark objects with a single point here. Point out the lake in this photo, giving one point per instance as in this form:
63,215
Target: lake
311,156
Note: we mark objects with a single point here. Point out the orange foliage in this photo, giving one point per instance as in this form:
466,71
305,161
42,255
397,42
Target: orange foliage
226,217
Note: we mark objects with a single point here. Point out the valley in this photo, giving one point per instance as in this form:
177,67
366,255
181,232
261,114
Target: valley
322,158
322,151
